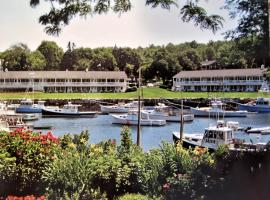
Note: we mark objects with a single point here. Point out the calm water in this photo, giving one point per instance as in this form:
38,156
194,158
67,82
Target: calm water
101,128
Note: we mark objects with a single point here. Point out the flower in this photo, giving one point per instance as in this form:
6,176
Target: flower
166,186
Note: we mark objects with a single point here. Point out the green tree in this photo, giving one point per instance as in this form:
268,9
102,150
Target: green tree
36,61
52,53
61,12
16,57
77,59
253,21
126,57
103,60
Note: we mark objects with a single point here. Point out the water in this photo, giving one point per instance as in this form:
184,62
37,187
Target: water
101,128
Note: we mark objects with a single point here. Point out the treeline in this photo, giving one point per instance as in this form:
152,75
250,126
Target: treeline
157,62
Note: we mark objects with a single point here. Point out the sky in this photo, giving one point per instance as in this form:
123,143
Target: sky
141,26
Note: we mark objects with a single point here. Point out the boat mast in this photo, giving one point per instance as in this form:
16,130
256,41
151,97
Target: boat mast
139,111
181,121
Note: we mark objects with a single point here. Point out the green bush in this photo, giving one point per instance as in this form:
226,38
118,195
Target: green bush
24,156
134,197
131,89
164,87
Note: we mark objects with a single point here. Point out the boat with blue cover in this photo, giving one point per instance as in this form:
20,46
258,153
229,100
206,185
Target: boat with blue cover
28,106
261,105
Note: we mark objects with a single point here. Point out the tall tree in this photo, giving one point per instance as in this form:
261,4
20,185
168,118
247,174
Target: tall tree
16,57
52,53
62,11
36,61
253,21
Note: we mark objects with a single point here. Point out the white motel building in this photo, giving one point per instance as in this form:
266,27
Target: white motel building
63,81
219,80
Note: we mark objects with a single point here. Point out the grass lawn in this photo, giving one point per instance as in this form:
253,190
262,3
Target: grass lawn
147,93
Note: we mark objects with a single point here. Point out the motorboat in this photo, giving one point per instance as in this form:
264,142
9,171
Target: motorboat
260,105
216,135
131,118
167,113
260,130
28,106
69,110
119,108
4,109
4,125
15,121
30,117
216,111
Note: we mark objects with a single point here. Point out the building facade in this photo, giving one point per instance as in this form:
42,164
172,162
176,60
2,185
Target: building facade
219,80
64,81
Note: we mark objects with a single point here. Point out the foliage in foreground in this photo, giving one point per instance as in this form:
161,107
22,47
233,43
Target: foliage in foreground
69,168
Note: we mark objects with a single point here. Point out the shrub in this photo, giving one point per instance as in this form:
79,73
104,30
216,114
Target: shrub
164,87
134,197
131,89
25,155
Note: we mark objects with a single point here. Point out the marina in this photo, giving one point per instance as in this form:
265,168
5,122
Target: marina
101,128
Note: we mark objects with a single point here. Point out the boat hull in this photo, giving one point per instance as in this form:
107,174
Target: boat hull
113,109
254,108
126,121
52,113
28,110
209,113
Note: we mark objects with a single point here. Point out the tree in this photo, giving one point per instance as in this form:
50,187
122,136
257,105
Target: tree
77,59
103,60
61,12
253,22
125,58
16,57
36,61
52,54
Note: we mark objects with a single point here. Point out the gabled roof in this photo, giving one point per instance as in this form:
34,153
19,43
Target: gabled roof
64,74
220,73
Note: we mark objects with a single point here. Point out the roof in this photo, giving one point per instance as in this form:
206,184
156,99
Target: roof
64,74
220,73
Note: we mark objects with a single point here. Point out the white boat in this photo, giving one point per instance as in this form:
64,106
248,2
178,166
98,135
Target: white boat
4,109
165,112
217,111
119,108
4,125
261,105
217,135
131,118
260,130
69,110
30,117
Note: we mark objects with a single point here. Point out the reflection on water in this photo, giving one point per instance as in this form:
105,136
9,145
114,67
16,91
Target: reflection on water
101,128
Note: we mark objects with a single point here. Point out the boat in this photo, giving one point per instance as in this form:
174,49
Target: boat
216,110
15,121
217,135
131,118
28,106
260,105
260,130
167,113
4,126
42,127
30,117
69,110
119,108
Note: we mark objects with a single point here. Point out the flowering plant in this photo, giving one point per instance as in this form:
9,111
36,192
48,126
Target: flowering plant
28,154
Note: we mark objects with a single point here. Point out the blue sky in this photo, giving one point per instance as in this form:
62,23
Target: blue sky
140,27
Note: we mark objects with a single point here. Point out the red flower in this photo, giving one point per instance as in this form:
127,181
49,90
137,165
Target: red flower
166,186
